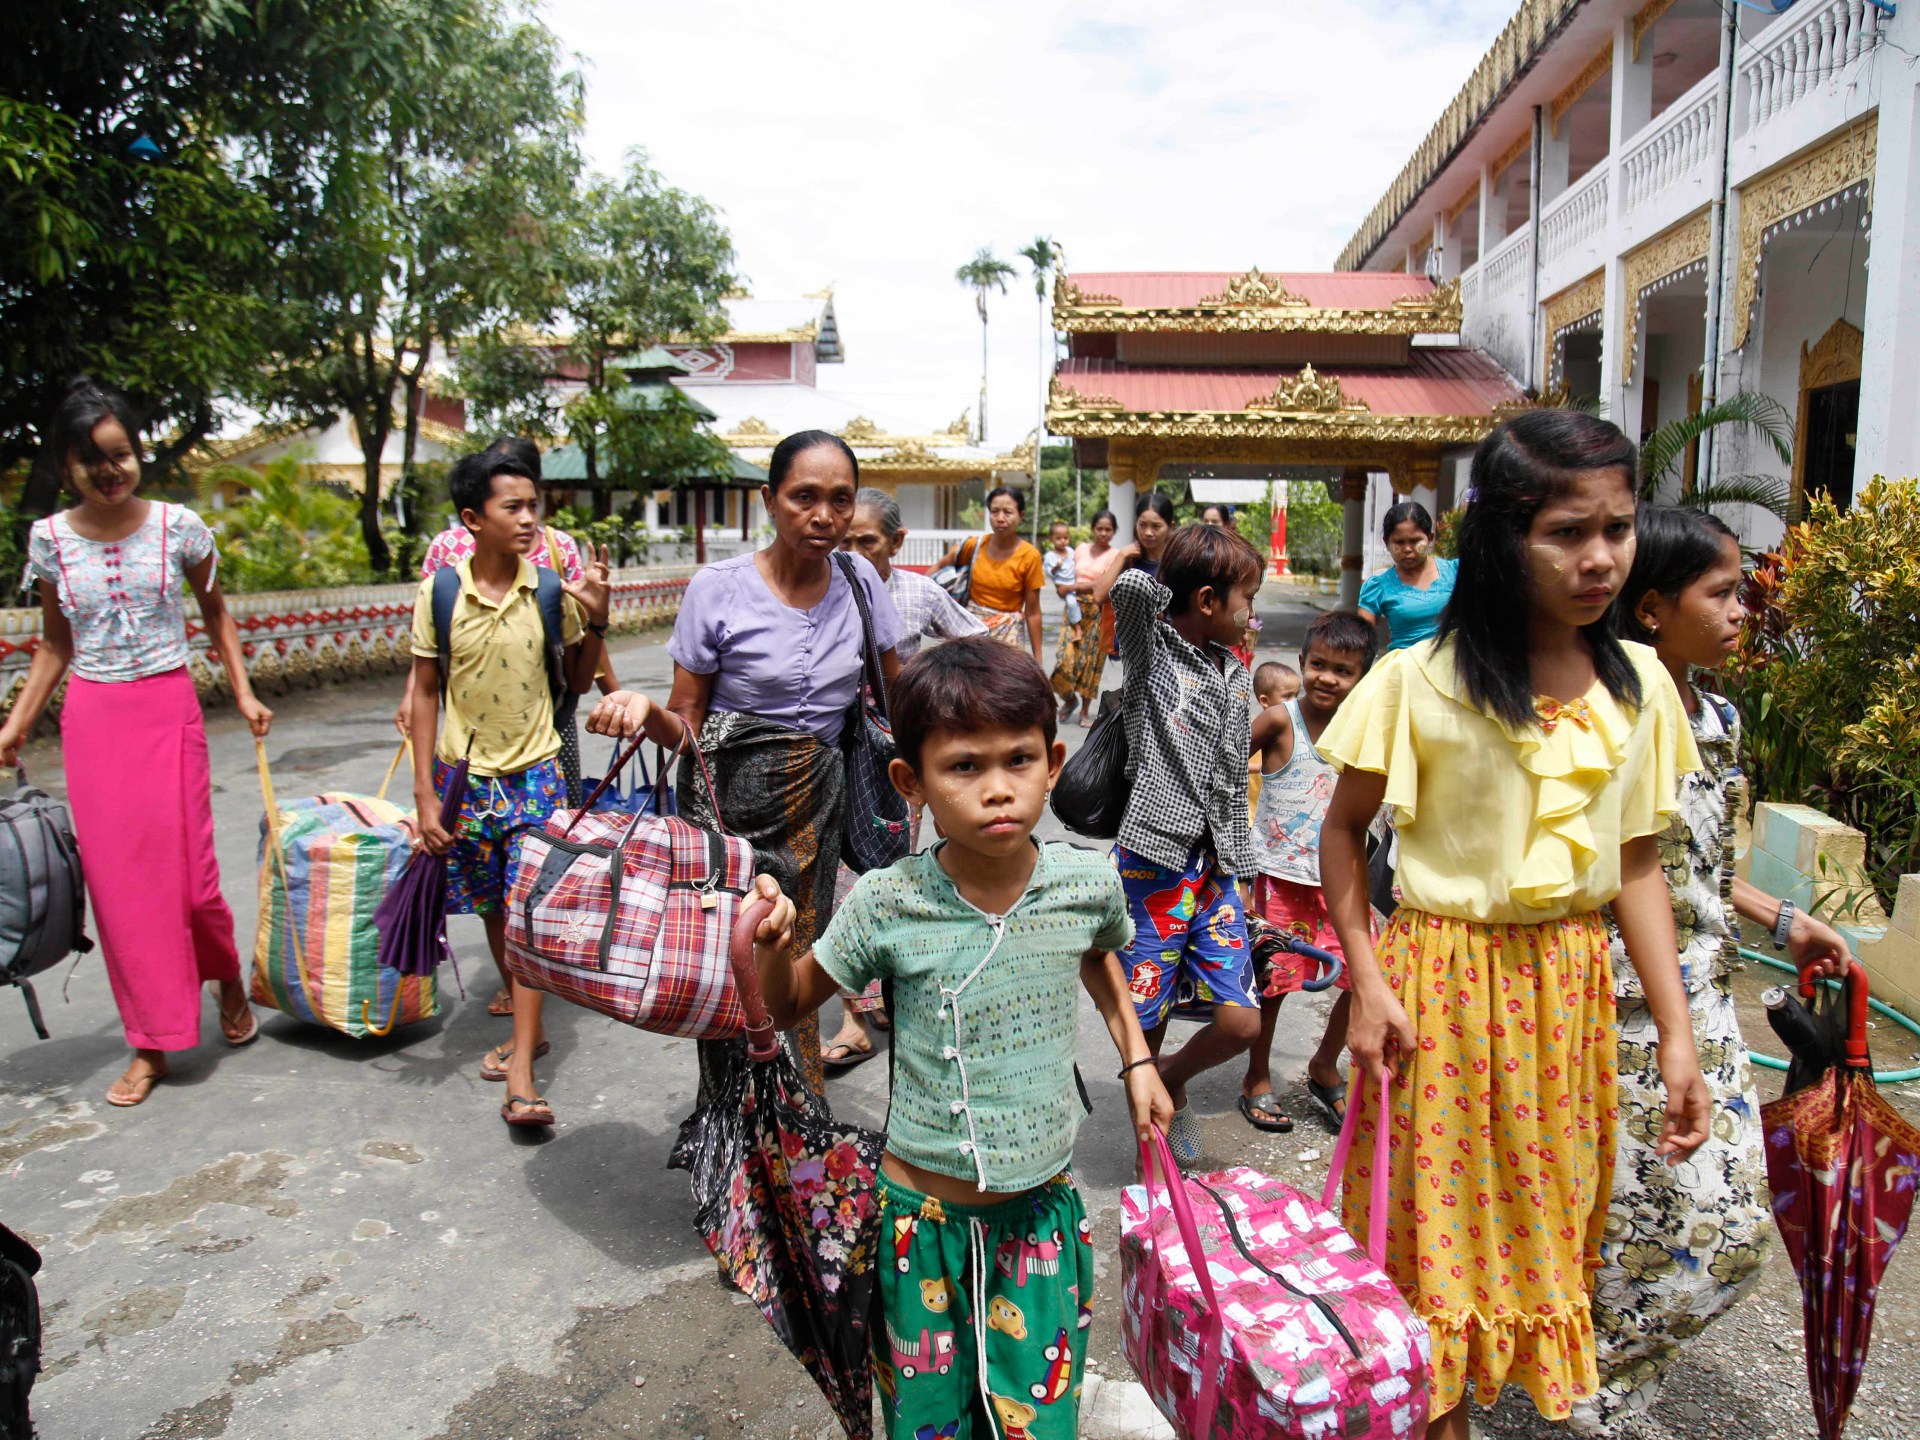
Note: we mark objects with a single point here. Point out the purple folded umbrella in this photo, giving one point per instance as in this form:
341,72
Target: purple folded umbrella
412,919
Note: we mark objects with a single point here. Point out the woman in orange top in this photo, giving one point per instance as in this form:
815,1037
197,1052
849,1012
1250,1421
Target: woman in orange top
1007,574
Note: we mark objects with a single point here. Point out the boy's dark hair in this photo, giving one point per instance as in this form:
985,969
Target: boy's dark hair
470,482
1522,465
796,445
1344,633
1672,549
1270,674
521,449
1201,555
965,685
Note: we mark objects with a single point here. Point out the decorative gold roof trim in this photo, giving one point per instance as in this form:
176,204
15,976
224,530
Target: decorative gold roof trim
1526,34
1843,161
219,452
1579,301
1437,313
1569,97
862,431
963,426
1512,153
1554,397
1254,290
1648,17
1308,394
1067,295
1336,427
753,425
1061,396
1667,252
806,332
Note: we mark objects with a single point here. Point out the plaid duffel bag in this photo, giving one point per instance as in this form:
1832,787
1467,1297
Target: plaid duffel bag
631,916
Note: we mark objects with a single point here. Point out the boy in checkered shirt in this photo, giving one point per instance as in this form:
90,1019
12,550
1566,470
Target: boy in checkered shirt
1185,842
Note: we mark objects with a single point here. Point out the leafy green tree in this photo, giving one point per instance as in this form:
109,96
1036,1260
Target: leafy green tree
637,261
426,213
287,534
984,273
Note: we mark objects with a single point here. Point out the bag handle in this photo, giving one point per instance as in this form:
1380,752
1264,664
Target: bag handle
762,1042
1158,1151
1377,1212
404,752
869,647
689,742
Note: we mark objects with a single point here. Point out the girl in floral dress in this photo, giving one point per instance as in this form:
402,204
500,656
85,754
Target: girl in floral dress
1683,1246
1531,760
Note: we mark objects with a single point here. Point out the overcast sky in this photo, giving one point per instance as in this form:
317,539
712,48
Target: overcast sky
875,146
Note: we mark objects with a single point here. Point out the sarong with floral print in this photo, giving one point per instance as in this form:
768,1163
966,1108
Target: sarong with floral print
1683,1244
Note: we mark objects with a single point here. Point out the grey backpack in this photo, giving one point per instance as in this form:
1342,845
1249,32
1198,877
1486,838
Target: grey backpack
43,896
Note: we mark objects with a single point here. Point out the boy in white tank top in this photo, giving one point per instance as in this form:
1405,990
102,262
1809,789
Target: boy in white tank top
1296,784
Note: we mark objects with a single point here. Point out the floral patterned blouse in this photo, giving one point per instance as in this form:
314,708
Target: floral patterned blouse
1696,852
122,597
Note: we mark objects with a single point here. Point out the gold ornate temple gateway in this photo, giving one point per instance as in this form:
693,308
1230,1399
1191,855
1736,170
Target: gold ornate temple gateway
1362,370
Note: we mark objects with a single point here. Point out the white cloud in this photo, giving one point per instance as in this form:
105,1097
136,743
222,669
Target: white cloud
875,146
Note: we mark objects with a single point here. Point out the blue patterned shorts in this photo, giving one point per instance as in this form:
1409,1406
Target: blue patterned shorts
496,810
1189,931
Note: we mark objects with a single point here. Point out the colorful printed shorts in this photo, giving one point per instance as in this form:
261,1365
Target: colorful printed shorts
985,1307
1187,927
496,810
1299,911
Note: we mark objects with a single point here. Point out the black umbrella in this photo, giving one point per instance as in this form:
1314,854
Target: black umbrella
412,918
785,1196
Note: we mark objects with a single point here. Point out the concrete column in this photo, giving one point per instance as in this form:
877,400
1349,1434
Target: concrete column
1889,432
1632,99
1493,211
1353,535
1630,108
1555,160
1122,471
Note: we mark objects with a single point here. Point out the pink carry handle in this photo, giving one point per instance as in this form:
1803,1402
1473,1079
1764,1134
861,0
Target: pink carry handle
1377,1211
1182,1208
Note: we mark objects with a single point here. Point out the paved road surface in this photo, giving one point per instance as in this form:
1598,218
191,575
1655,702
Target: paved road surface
315,1236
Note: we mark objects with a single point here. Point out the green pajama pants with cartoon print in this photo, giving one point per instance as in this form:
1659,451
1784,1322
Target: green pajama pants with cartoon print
985,1312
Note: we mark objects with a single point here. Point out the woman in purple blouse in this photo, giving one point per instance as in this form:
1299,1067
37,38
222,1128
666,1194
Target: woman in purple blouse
766,665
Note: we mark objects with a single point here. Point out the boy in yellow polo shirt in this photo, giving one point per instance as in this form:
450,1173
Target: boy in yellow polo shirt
500,686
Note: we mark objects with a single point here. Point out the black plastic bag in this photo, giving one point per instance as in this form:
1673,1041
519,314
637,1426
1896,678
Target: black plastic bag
1090,797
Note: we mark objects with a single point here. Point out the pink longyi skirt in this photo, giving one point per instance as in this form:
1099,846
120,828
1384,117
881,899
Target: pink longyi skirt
141,795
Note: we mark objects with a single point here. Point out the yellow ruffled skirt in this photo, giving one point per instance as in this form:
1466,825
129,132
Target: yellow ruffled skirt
1501,1149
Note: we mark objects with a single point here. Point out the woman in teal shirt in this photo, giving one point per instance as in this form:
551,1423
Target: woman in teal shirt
1411,595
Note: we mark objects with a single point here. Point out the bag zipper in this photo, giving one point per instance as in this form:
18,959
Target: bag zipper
1233,1233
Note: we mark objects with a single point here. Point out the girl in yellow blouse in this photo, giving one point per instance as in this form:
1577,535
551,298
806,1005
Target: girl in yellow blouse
1530,757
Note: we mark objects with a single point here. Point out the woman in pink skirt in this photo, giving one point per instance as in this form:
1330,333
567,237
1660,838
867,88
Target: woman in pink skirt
110,572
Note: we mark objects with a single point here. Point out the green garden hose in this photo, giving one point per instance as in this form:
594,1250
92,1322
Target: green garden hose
1881,1077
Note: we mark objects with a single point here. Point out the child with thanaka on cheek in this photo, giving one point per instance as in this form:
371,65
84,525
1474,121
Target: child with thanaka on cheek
1274,683
1682,597
984,939
1531,760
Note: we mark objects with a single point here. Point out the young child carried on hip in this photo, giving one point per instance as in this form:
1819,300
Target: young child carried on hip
984,940
1296,783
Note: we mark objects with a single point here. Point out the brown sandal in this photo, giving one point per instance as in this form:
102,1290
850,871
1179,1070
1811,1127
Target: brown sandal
237,1037
501,1004
504,1054
537,1114
143,1087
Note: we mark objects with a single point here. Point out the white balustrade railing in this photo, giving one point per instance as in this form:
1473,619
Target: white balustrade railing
1503,274
1574,217
1671,148
1801,52
1494,302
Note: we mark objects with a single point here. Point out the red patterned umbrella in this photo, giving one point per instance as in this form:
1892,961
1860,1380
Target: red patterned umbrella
1843,1165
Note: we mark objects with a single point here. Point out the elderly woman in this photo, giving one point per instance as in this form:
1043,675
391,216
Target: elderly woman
926,611
1007,574
766,664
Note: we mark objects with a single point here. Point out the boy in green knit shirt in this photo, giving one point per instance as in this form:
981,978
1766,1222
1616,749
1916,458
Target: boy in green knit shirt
986,1267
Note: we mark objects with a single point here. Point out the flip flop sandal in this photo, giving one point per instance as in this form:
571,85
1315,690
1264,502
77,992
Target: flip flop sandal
1332,1100
142,1088
505,1052
537,1115
1263,1112
504,998
1183,1137
252,1031
846,1060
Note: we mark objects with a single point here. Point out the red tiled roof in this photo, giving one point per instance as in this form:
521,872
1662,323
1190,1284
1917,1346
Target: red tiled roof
1184,289
1438,381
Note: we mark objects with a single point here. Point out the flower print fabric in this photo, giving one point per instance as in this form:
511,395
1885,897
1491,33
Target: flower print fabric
122,597
1683,1244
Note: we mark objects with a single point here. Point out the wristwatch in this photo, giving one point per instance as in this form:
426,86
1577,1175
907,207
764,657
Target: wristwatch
1783,925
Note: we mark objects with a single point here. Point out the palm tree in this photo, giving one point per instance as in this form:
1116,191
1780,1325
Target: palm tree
1044,256
1665,452
986,271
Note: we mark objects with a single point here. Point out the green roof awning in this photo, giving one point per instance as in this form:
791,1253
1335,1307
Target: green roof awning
566,464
